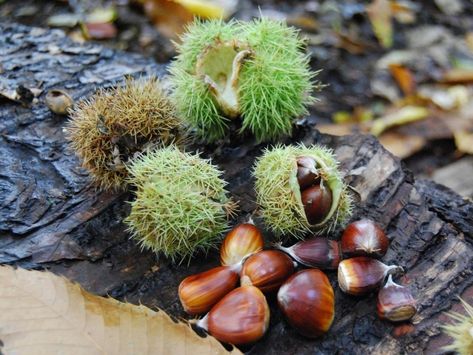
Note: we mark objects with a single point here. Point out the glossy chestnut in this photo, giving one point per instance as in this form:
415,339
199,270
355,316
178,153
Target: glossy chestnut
364,238
242,241
316,252
198,293
395,302
317,201
361,275
307,174
307,301
241,317
267,270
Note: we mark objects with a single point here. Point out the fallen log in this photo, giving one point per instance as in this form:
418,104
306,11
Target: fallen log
53,218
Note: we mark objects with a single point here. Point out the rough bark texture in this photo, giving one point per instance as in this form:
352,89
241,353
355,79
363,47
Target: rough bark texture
51,217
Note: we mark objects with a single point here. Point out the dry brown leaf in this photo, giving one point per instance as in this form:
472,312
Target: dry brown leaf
169,17
351,43
380,15
41,313
458,76
403,12
339,129
404,78
401,145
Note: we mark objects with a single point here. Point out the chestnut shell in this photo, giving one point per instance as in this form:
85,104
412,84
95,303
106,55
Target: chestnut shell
364,238
267,270
242,241
307,301
198,293
317,201
241,317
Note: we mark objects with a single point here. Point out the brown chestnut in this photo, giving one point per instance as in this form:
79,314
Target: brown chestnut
317,201
267,270
361,275
395,302
316,252
198,293
241,317
307,174
242,241
307,301
364,238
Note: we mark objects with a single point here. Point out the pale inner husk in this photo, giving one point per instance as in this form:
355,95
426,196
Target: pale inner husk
220,65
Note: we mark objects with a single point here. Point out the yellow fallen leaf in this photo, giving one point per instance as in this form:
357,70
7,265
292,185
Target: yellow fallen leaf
41,313
404,115
208,9
469,40
464,141
380,15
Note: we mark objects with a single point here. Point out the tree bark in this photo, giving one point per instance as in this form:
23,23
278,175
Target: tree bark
53,218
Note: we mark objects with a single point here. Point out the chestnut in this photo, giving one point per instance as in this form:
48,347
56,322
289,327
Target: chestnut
395,302
361,275
307,301
198,293
267,270
364,238
317,201
240,318
316,252
242,241
307,174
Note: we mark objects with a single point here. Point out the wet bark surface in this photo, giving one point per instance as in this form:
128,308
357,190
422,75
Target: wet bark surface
51,217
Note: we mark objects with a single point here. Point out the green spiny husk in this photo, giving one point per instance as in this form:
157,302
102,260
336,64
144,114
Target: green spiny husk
274,82
107,129
181,205
278,193
461,331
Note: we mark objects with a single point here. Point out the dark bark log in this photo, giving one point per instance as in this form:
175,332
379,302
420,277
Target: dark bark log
51,217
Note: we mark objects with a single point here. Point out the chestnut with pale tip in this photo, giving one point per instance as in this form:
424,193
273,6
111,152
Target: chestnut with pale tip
395,302
267,270
364,238
307,301
361,275
198,293
240,318
317,201
242,241
307,173
316,252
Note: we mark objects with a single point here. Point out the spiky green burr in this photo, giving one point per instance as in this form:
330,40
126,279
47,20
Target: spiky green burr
461,331
110,127
254,71
278,192
181,205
